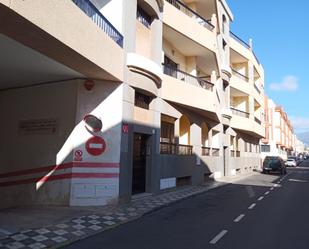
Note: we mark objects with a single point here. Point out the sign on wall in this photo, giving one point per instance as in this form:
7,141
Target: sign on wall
78,155
38,126
95,146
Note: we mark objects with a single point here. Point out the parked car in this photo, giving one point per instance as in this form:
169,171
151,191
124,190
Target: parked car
274,164
291,162
297,160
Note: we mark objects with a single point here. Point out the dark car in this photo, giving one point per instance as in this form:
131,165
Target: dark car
274,164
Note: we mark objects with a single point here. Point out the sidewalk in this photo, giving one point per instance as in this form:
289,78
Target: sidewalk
72,224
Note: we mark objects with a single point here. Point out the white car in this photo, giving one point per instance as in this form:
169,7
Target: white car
291,162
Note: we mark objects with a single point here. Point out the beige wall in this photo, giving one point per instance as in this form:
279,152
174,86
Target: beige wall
143,40
21,150
53,101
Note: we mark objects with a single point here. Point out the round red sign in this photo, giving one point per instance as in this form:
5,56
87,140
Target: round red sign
95,146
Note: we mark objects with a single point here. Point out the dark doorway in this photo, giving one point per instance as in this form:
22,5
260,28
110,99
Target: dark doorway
139,163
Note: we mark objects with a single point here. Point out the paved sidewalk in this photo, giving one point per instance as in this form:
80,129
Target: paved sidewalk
66,232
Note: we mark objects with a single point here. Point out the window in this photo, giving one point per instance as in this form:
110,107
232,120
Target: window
167,132
265,148
170,67
223,23
143,17
224,44
225,84
142,100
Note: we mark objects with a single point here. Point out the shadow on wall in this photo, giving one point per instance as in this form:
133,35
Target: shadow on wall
43,150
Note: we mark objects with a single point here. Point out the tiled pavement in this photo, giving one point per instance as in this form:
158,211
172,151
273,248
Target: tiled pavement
110,216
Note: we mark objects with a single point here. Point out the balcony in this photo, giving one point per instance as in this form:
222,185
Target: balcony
175,149
243,48
67,36
90,10
240,76
188,78
179,87
242,121
238,39
189,12
189,33
240,84
240,113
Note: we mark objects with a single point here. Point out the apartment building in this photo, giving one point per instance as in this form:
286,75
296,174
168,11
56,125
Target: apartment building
113,98
279,134
299,147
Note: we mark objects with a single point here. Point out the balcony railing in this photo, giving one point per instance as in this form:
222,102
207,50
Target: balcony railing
257,120
239,40
188,78
175,149
240,113
215,152
241,76
189,12
205,151
256,57
90,10
257,89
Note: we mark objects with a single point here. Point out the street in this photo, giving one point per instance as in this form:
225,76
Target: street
261,211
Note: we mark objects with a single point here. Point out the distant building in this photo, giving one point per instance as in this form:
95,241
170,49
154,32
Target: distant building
279,133
299,147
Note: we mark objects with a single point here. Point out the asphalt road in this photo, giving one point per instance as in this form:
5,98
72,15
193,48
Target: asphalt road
260,212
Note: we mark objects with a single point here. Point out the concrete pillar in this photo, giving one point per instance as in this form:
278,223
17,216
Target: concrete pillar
154,176
213,77
129,24
251,106
195,141
228,97
156,44
126,149
176,131
251,72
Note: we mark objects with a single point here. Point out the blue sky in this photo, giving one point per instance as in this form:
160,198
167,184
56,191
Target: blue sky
279,30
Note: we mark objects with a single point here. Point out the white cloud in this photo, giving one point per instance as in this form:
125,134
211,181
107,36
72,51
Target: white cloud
289,83
300,123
